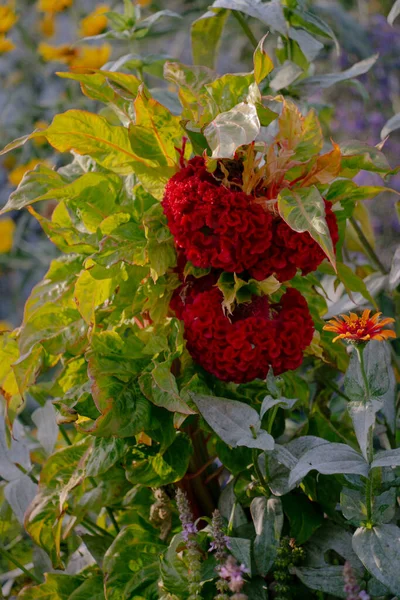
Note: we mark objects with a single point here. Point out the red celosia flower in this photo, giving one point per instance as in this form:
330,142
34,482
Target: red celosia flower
357,329
257,336
215,226
291,250
225,229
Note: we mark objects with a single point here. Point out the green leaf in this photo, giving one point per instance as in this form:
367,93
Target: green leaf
173,570
327,80
104,454
33,185
303,209
263,64
357,156
55,587
285,75
309,46
230,90
92,588
270,13
93,288
131,566
161,388
241,550
267,517
9,389
229,130
351,281
88,133
328,459
393,123
208,27
378,549
236,423
236,290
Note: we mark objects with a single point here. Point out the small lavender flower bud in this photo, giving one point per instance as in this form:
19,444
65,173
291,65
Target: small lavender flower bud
193,553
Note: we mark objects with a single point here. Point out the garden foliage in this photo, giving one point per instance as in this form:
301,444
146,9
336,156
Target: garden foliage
178,343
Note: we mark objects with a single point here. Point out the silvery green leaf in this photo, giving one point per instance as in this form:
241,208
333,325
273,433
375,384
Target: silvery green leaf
230,508
363,416
391,125
378,549
19,493
309,46
327,579
377,367
394,275
270,402
267,515
331,536
384,507
285,75
236,423
394,12
47,428
232,129
241,550
17,453
375,283
329,459
326,81
352,505
270,13
387,458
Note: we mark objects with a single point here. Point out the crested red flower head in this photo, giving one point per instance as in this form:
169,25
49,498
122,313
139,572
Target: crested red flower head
360,329
258,334
223,228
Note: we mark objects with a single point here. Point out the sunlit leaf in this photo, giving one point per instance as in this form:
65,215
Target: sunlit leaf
232,129
209,26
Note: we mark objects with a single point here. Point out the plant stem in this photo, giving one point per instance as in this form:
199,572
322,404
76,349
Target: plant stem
113,519
260,476
91,525
9,557
65,435
272,418
367,246
243,24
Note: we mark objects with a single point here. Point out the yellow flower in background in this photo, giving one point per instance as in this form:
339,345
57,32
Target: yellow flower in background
53,6
63,54
7,18
5,326
47,25
95,22
40,140
7,227
90,57
16,175
6,45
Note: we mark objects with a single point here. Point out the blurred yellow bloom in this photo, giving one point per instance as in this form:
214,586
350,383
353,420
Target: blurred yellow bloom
9,162
16,175
53,6
95,22
63,54
7,227
40,140
6,45
47,25
7,18
5,326
90,57
144,2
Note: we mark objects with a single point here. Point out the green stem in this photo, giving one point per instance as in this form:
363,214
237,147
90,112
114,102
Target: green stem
260,476
243,24
368,499
9,557
272,418
91,525
370,443
113,519
65,435
25,472
367,246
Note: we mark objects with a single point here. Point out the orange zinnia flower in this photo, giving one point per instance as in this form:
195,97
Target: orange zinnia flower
357,329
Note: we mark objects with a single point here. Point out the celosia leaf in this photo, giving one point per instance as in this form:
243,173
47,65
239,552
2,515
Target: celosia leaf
93,287
326,167
132,563
229,90
301,135
58,586
378,548
193,95
263,64
236,290
357,156
229,130
303,209
208,27
33,185
94,82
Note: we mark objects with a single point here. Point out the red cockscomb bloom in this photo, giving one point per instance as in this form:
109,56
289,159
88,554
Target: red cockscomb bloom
257,336
291,250
358,330
225,229
214,225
